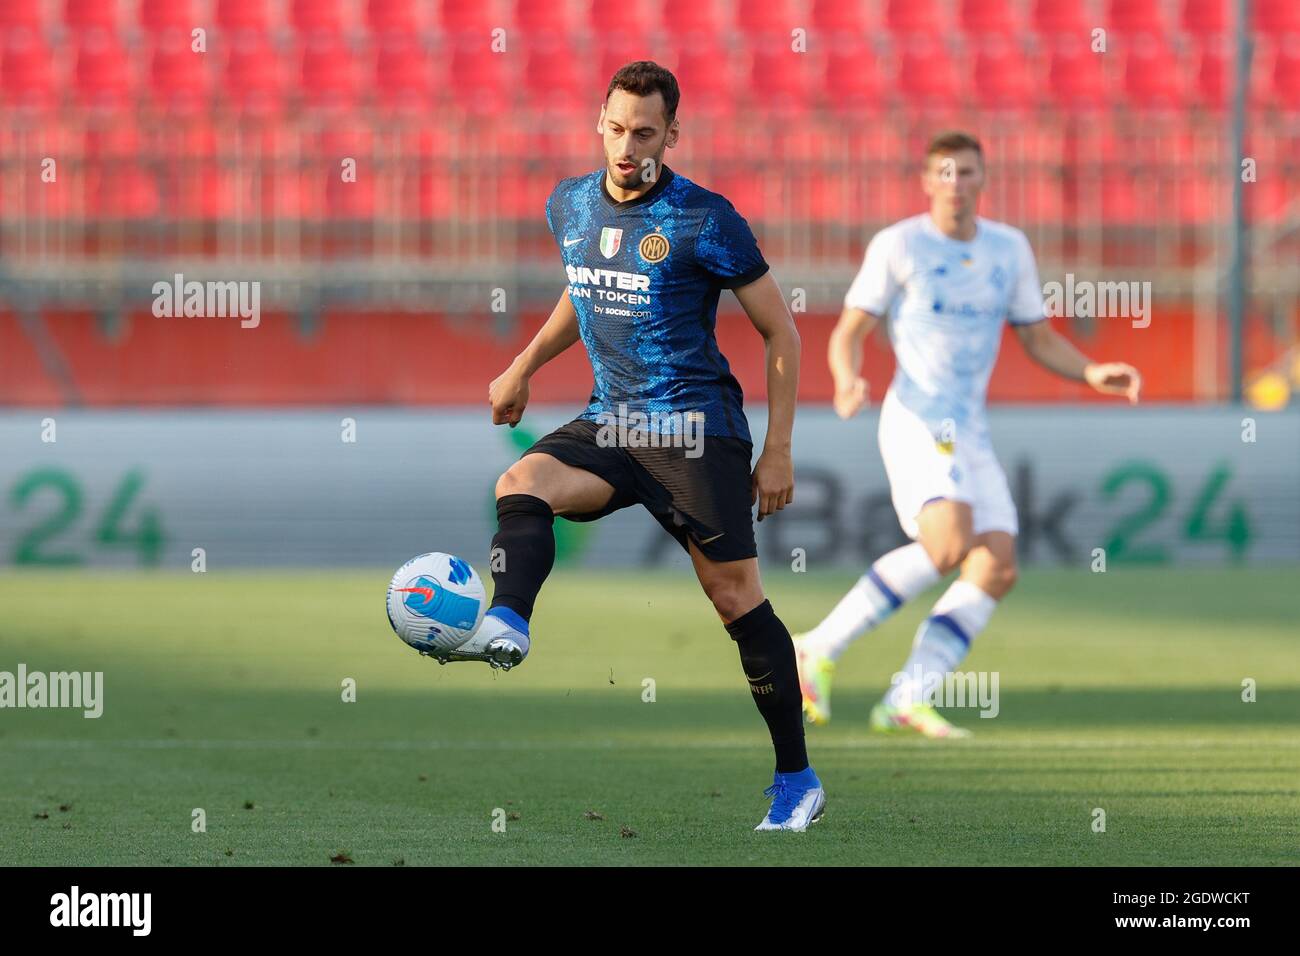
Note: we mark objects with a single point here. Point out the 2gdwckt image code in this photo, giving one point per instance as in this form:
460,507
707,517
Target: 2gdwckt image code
818,433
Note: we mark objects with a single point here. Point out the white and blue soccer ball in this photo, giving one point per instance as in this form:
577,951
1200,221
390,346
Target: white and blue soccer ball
436,602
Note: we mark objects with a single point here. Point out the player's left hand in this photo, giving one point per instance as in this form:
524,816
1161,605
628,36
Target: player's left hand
1114,378
772,484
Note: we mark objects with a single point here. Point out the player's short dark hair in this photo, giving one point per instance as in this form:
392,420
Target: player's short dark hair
644,77
952,141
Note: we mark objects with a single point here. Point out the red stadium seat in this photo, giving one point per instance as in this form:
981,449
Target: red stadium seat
768,17
480,79
1043,199
842,19
1123,201
403,77
123,190
1263,66
989,18
317,16
615,53
778,79
1153,77
914,17
704,72
552,79
468,17
1001,77
894,193
852,77
159,15
117,184
1202,199
927,74
1029,197
178,77
26,73
21,15
278,190
435,195
328,77
1061,18
254,83
683,17
82,15
243,15
1268,199
393,16
628,18
1277,17
748,191
1286,74
102,76
1076,76
1206,17
1213,79
1136,17
112,141
199,189
524,197
829,198
540,19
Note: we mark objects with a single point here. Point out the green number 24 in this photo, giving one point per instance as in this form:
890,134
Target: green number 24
32,547
1235,531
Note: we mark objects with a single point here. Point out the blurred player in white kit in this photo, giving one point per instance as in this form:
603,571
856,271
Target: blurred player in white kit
951,280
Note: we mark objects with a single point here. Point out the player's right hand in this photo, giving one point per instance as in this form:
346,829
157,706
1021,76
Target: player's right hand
508,396
850,399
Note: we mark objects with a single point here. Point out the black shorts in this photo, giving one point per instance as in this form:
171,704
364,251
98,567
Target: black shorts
705,498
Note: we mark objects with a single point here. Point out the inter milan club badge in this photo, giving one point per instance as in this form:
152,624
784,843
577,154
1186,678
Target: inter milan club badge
611,240
654,247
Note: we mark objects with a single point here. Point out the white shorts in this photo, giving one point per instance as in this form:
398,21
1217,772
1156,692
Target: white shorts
922,469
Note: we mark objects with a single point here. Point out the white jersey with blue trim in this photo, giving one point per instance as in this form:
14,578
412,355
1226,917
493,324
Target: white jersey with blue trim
946,300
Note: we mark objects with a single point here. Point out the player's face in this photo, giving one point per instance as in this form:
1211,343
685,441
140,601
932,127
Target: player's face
636,133
953,182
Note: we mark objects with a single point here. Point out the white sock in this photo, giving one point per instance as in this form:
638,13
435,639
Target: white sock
942,641
891,582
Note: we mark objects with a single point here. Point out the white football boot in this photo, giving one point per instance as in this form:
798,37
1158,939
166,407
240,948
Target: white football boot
501,641
797,801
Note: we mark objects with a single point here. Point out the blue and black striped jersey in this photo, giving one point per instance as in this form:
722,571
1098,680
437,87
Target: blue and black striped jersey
645,277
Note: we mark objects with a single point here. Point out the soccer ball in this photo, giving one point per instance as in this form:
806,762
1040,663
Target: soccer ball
436,602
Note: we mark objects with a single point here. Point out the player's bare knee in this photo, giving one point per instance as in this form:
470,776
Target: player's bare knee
733,604
1005,576
949,554
731,599
518,479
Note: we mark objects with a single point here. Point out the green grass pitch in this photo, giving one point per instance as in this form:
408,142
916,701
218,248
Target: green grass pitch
1120,691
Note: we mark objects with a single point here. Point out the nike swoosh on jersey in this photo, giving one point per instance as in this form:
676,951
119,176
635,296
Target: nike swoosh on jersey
570,242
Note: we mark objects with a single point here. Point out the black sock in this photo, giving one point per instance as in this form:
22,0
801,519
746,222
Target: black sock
767,655
524,549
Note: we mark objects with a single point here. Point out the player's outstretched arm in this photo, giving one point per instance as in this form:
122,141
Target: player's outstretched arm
508,393
1057,354
845,356
772,485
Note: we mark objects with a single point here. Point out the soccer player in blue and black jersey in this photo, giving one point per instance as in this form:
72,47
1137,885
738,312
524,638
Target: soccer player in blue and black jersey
647,253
